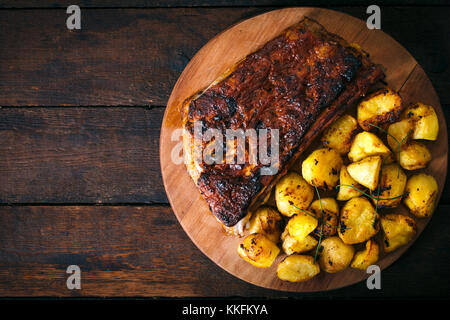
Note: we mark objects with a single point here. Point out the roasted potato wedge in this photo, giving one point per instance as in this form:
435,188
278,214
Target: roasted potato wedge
330,216
293,191
339,134
297,268
267,221
381,107
398,231
426,124
392,185
365,258
422,190
291,245
366,172
335,255
346,193
401,131
321,168
258,250
301,225
359,221
414,155
367,144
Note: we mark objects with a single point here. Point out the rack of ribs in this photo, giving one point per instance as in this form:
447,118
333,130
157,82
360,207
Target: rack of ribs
297,83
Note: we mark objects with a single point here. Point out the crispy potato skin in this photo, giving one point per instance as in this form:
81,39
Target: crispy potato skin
414,155
301,225
365,258
426,124
339,135
366,171
422,191
330,216
292,190
335,255
267,221
258,250
346,193
367,144
359,221
379,108
297,268
321,168
398,231
392,184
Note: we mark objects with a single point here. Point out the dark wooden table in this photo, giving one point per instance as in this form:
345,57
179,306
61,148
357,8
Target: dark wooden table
80,179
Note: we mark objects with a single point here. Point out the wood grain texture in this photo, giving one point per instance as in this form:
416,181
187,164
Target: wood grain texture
402,74
80,155
206,3
142,251
42,64
134,56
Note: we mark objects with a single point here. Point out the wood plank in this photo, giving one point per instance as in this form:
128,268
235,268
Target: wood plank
134,56
142,251
207,3
80,155
119,57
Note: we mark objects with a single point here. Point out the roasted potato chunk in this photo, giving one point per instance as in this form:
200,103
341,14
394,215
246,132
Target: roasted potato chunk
339,134
426,124
422,190
390,158
359,221
258,250
293,191
301,225
401,131
330,216
291,245
366,172
367,144
365,258
392,185
381,107
321,168
346,193
414,155
335,255
297,268
398,231
267,221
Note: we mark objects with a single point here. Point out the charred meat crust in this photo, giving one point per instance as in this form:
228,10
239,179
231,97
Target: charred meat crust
298,83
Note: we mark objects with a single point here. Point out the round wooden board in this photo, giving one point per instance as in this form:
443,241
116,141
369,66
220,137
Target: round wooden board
402,74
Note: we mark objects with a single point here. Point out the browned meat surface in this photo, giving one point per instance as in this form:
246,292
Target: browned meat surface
297,83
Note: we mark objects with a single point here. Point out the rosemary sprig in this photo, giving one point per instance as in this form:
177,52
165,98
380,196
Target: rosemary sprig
321,225
369,195
321,221
311,215
399,143
385,131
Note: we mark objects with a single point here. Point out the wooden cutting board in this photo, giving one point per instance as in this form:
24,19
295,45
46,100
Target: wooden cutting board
402,74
